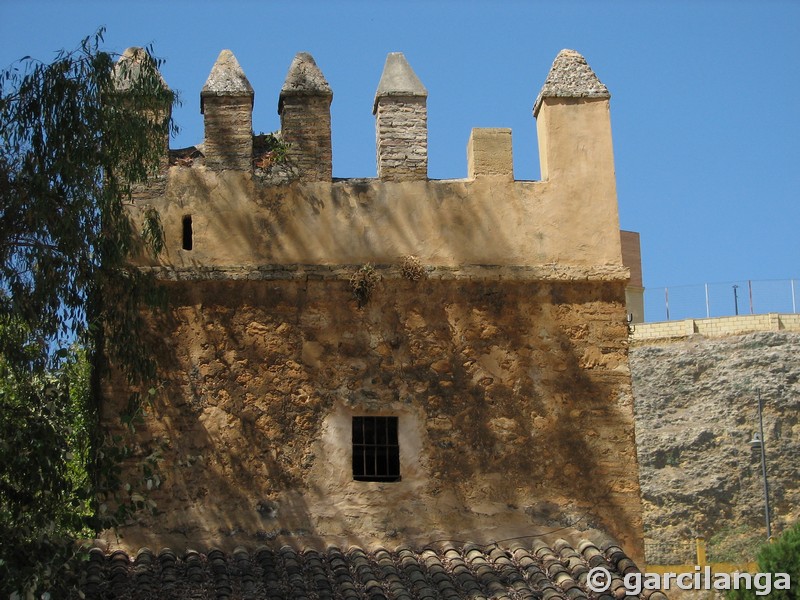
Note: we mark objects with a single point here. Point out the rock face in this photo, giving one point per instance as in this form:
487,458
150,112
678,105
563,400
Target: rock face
696,412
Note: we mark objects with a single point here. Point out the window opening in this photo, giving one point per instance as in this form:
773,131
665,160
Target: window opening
376,452
187,232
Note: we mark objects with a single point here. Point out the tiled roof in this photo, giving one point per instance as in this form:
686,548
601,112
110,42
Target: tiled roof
516,571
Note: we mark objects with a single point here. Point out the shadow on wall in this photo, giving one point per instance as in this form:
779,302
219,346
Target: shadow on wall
523,417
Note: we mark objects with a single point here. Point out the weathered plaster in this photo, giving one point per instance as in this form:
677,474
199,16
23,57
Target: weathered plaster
514,402
240,221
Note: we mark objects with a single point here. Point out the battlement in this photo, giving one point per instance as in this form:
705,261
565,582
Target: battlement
236,201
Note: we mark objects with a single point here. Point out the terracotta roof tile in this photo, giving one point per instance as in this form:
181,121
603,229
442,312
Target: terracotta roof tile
519,571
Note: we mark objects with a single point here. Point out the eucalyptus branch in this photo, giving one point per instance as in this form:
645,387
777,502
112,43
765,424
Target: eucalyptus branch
22,243
72,142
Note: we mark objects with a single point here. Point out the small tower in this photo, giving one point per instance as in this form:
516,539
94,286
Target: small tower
304,106
576,153
401,122
226,102
572,119
136,68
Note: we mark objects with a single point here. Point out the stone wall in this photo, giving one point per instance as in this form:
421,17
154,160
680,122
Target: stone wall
226,102
402,140
306,130
401,122
305,109
513,400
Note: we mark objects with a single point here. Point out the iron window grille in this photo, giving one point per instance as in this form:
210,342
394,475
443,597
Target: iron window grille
376,452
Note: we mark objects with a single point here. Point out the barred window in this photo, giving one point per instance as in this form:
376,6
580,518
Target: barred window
376,452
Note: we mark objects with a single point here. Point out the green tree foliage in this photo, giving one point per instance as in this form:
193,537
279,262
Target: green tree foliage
780,556
45,491
77,136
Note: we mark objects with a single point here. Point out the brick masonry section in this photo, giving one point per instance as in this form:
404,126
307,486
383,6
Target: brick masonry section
717,327
306,128
228,131
402,132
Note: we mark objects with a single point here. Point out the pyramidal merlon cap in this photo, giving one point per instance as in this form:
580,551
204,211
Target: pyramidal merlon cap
398,79
128,69
304,79
570,77
226,79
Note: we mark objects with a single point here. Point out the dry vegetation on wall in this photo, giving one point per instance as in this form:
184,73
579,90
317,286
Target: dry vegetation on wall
363,283
696,411
412,268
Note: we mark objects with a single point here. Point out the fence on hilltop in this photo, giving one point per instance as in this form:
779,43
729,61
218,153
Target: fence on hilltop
707,300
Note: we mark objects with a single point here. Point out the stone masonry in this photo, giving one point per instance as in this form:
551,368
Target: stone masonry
226,101
485,315
304,107
401,120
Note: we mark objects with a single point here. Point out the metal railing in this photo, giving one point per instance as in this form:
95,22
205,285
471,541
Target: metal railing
706,300
685,556
670,553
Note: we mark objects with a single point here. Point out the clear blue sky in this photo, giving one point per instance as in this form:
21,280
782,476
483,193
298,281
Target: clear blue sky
705,96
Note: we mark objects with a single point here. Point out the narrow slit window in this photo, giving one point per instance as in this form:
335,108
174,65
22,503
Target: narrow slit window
187,232
376,452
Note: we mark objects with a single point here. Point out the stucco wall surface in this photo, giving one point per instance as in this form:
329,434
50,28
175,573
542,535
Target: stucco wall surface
513,399
238,219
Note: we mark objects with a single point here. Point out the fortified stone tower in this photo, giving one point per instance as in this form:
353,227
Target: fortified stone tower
393,358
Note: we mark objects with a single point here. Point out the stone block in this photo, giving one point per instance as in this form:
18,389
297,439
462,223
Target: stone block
489,153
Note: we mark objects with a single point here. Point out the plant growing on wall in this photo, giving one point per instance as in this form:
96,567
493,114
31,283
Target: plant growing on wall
411,268
269,149
363,282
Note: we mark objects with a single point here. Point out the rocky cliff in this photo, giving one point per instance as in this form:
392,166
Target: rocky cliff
696,411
